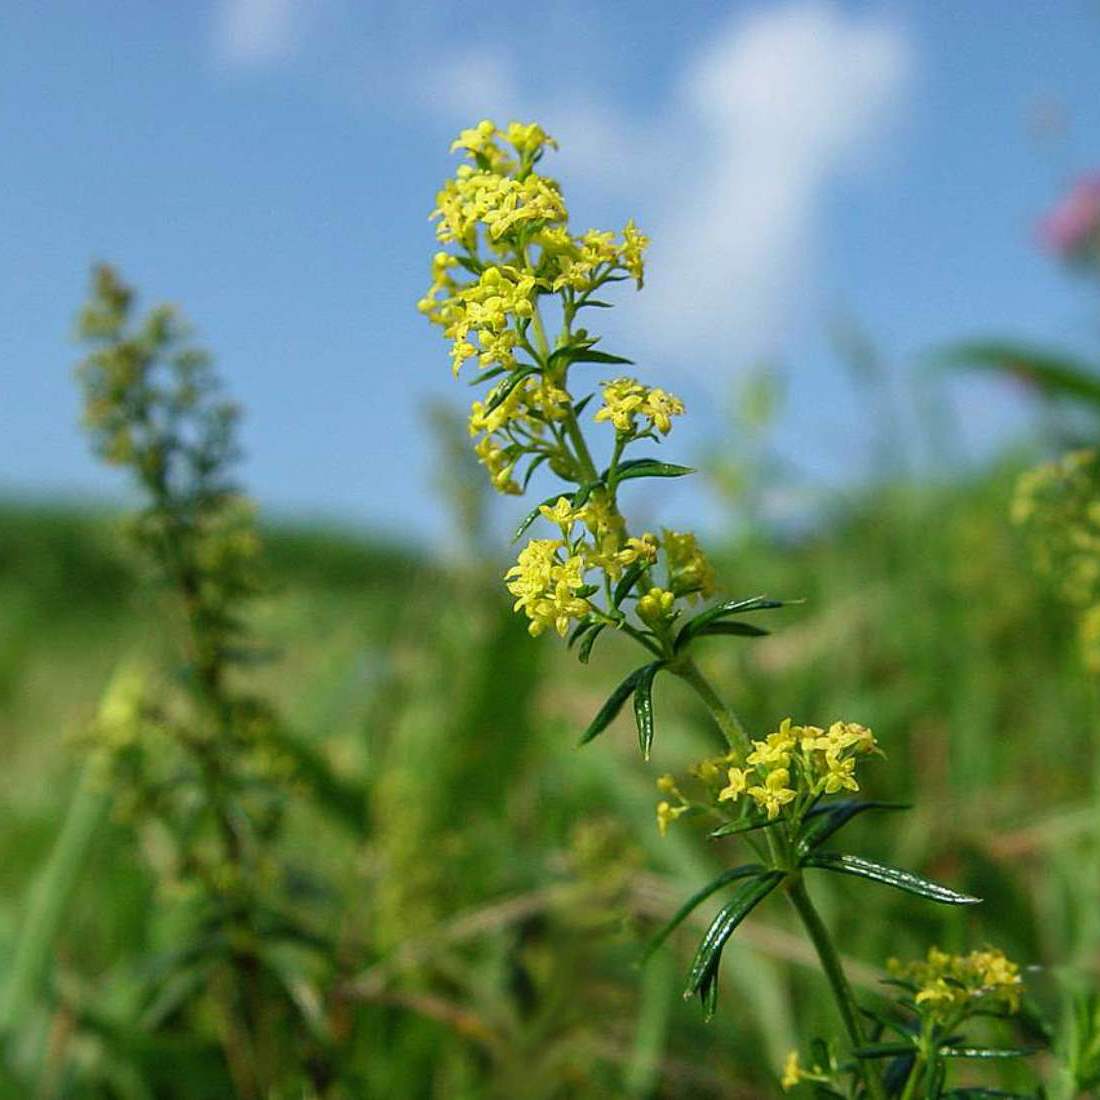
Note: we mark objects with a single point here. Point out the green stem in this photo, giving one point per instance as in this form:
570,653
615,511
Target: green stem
838,981
723,715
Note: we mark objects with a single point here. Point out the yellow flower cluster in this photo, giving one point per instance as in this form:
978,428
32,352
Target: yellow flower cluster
1059,502
794,765
547,585
799,760
501,201
951,985
513,426
549,577
626,399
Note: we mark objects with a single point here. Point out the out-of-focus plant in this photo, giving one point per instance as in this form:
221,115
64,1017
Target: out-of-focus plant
198,764
510,263
1059,505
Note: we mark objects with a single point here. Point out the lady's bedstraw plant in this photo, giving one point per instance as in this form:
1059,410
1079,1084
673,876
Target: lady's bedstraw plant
510,258
193,758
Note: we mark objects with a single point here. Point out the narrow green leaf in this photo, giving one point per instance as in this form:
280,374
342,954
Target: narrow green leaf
475,267
647,467
987,1052
825,820
589,640
582,628
582,404
735,628
613,705
584,492
733,828
627,582
487,376
594,302
643,706
730,607
888,876
709,954
747,870
501,392
583,351
535,464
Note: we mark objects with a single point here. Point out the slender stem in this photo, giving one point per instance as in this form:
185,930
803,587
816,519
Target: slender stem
838,981
728,722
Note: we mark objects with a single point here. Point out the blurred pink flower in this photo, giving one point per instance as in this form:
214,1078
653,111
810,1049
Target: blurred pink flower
1072,228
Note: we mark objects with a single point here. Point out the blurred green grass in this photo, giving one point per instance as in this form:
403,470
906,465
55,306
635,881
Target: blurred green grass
495,897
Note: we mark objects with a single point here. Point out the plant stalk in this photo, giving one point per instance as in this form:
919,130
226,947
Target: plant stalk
838,981
728,722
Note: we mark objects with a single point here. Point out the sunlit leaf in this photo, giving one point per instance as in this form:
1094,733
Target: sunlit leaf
735,874
888,876
709,954
643,706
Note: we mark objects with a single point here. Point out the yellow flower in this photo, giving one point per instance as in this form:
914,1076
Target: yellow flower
655,606
775,750
792,1071
667,814
738,781
626,399
561,513
545,586
949,983
500,466
840,773
774,794
643,549
634,246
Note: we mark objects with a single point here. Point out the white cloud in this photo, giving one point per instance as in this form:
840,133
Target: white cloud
775,109
255,32
731,175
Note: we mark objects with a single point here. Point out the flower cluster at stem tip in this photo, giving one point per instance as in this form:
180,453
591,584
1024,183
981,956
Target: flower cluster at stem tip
788,771
949,987
509,252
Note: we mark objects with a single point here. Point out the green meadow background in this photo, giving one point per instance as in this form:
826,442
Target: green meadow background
489,885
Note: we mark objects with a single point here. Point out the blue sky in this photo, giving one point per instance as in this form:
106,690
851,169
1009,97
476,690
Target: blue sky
269,164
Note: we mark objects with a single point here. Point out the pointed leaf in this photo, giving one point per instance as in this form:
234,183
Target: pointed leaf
501,392
582,404
735,628
582,628
730,607
627,581
825,820
535,464
888,876
613,705
733,828
722,927
987,1052
583,351
643,706
589,640
647,467
747,870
